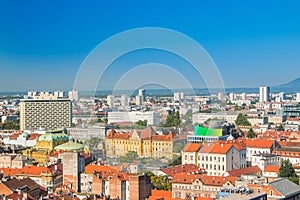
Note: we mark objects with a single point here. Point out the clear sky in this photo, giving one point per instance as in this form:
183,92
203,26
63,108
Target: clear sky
43,43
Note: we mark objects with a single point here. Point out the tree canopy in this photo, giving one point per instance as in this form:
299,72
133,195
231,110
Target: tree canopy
141,123
242,120
10,125
251,134
173,119
287,170
160,182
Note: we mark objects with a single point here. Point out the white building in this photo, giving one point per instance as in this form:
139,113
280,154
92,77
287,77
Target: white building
153,118
124,100
218,158
263,160
298,97
139,100
190,153
142,94
264,94
73,95
178,96
24,139
232,96
202,117
110,101
244,96
258,146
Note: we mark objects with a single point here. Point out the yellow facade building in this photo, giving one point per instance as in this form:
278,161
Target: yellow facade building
145,142
45,145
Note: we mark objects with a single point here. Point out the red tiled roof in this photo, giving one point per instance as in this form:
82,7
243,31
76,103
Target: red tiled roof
26,170
216,148
99,168
17,196
259,143
244,171
203,198
206,180
192,147
188,168
14,136
289,144
34,136
272,169
162,193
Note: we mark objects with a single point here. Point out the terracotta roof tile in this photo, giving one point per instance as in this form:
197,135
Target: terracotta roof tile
272,169
259,143
206,180
192,147
216,148
244,171
188,168
99,168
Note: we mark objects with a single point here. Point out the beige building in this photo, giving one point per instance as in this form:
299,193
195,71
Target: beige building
145,143
49,114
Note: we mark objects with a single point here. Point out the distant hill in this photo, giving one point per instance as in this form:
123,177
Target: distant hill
292,86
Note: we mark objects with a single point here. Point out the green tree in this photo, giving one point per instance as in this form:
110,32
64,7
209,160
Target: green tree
251,134
94,141
176,161
280,127
160,182
286,169
173,119
141,123
129,157
10,125
242,120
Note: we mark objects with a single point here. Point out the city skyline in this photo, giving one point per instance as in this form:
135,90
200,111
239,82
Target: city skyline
43,44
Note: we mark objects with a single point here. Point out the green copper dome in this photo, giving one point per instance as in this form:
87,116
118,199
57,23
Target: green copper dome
54,137
70,146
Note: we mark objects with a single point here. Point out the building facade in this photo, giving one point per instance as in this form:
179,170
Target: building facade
49,114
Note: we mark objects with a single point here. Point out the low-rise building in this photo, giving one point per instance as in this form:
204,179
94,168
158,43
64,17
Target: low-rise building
190,153
145,142
121,186
217,158
191,185
263,160
259,146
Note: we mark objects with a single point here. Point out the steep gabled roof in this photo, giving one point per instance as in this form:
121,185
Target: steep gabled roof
216,148
192,147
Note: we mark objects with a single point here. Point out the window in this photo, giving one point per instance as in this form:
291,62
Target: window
258,190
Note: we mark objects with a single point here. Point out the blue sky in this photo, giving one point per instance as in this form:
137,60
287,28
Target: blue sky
43,43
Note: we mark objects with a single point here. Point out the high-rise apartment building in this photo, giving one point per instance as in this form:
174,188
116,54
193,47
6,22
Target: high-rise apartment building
73,95
264,94
110,101
298,97
49,114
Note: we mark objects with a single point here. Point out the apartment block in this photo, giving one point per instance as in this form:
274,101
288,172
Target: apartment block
49,114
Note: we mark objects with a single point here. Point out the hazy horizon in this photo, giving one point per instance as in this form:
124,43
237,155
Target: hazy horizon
43,44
